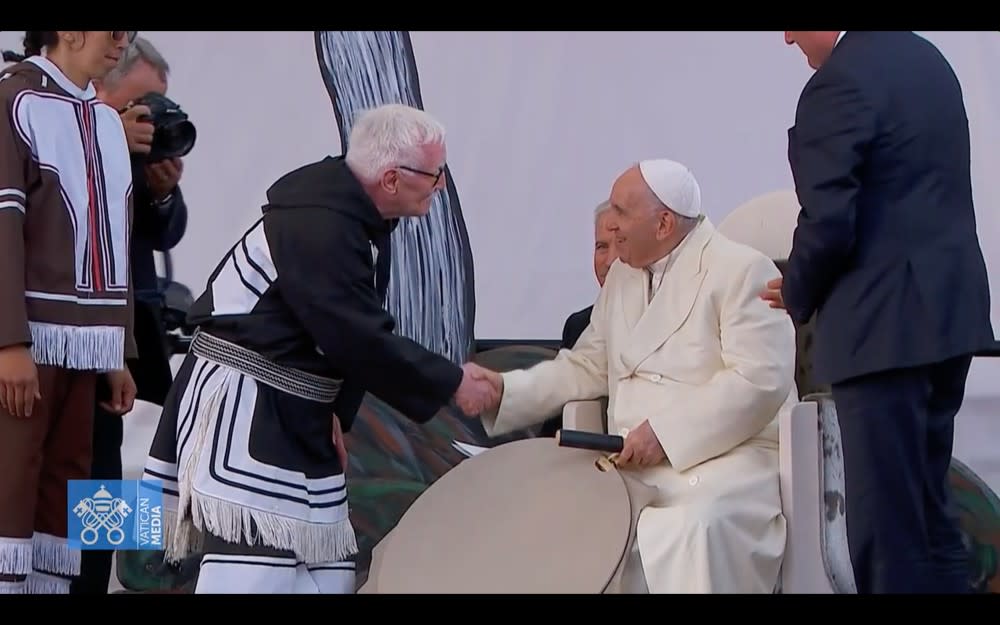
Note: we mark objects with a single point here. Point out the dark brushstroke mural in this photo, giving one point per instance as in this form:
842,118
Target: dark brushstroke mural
431,288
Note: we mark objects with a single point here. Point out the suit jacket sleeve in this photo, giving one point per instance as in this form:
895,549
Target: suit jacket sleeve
740,400
834,126
530,396
574,327
14,159
568,340
325,275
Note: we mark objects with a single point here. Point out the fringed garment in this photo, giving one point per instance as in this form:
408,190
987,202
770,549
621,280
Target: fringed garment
65,294
245,455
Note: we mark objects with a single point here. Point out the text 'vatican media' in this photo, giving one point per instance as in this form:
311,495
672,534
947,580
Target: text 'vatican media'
124,515
149,525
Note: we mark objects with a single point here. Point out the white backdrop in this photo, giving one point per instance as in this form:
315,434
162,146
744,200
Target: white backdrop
540,124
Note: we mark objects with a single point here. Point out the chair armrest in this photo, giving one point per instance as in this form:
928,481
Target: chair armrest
801,466
588,416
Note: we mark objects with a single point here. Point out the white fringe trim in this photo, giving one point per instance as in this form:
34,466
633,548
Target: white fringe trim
78,347
197,513
312,543
180,539
42,584
53,555
11,588
15,556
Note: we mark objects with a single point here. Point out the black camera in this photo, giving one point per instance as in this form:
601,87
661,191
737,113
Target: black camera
173,134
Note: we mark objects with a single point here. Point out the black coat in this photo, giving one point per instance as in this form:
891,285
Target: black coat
304,290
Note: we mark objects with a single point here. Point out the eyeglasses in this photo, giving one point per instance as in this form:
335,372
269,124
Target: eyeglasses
435,176
118,34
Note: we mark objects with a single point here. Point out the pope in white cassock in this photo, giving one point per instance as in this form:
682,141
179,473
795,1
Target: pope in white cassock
696,367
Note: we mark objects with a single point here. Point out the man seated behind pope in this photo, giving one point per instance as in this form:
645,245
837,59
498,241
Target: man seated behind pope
696,368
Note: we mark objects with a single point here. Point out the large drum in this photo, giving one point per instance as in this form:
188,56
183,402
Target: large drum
504,521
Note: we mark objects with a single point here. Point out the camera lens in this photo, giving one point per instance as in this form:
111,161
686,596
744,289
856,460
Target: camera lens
178,139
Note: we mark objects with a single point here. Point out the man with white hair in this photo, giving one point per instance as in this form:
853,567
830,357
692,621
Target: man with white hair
291,334
696,368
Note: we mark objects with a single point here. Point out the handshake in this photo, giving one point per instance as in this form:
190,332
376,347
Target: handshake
480,390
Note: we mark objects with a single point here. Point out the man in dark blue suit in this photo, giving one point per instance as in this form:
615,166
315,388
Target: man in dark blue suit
886,255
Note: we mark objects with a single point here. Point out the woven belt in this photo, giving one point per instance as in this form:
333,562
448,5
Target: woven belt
286,379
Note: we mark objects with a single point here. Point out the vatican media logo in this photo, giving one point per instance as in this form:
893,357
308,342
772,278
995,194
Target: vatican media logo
115,515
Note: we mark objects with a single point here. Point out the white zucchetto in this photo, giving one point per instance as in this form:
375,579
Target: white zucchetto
674,184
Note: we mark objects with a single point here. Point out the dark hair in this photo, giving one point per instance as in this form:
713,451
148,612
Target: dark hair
34,41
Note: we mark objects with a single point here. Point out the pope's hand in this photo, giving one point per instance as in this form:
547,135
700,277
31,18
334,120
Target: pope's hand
479,391
641,449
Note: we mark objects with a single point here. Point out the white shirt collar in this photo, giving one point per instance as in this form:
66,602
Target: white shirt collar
660,266
839,37
656,272
56,74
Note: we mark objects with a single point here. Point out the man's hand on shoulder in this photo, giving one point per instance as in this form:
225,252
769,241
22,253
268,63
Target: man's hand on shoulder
772,294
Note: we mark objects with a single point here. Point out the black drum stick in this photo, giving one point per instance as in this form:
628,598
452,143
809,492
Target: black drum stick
590,440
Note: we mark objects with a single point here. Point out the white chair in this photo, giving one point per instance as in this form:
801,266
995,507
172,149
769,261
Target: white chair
817,559
811,473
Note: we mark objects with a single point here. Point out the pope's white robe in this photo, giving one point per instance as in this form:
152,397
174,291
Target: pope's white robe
709,365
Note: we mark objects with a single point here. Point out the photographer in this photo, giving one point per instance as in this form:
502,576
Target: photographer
160,219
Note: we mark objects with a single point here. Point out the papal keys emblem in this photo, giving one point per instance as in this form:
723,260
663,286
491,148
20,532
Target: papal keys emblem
102,511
